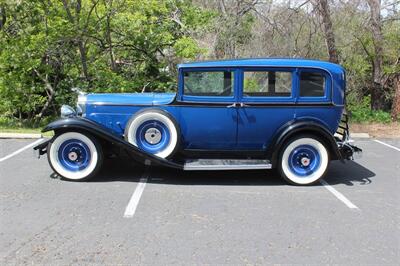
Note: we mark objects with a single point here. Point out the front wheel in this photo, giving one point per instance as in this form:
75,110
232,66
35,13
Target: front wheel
75,156
303,160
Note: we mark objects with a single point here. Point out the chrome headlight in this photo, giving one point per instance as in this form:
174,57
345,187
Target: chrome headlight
67,111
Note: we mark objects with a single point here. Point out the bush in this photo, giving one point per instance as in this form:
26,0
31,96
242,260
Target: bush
15,123
360,111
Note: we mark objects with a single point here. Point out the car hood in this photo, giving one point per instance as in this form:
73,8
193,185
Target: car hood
130,98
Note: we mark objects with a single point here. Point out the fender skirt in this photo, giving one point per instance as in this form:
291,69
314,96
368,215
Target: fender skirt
80,123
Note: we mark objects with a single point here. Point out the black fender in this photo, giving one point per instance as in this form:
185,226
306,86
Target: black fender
99,131
295,127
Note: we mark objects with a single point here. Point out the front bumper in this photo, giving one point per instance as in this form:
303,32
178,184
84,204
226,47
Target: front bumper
41,148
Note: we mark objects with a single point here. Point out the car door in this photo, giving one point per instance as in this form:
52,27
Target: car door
266,103
207,116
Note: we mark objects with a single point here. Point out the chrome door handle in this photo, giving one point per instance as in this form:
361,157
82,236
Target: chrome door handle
244,105
233,105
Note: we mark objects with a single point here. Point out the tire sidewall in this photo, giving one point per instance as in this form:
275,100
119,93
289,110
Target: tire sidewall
95,153
161,116
284,167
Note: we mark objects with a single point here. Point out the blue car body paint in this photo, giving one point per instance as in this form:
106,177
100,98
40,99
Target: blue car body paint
212,123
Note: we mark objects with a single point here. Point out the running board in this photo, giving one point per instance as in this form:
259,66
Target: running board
227,164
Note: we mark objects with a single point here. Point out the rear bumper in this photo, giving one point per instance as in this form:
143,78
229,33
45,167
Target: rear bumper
342,136
349,152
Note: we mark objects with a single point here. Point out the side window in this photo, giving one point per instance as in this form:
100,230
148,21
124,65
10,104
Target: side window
267,84
211,83
312,84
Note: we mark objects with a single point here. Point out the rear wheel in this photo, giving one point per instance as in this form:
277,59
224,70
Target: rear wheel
303,160
75,156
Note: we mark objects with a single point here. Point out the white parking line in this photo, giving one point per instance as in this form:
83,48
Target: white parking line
137,194
21,150
338,195
388,145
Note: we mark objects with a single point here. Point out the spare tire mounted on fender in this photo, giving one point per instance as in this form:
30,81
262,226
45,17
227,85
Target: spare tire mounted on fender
154,131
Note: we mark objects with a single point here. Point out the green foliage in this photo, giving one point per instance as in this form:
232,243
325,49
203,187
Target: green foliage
250,84
47,48
360,111
14,123
186,47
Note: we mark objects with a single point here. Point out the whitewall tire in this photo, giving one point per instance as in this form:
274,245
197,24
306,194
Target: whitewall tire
154,131
75,156
303,160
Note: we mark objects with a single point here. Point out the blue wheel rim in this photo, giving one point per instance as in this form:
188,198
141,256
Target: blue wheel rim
143,144
82,152
298,154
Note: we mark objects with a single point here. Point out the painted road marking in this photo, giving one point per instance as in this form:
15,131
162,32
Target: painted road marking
388,145
137,194
21,150
338,195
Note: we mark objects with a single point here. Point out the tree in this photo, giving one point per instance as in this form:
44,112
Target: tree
232,26
324,12
48,47
3,16
396,99
377,93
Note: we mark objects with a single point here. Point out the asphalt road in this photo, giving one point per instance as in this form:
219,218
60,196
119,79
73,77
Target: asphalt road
132,215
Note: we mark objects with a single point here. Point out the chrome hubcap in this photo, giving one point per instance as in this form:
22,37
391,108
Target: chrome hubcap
153,135
305,161
72,156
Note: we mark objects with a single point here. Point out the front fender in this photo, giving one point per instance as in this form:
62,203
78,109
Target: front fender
97,130
298,127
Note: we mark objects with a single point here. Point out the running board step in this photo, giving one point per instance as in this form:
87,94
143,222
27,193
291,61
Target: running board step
227,164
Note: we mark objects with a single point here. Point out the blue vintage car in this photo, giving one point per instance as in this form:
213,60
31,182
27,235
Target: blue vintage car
235,114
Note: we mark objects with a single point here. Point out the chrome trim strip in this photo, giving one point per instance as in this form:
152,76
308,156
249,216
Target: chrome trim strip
222,104
227,167
117,104
226,164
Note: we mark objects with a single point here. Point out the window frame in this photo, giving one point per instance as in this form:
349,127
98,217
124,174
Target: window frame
249,99
212,98
327,89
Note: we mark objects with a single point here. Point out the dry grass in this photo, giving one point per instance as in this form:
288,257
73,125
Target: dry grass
378,130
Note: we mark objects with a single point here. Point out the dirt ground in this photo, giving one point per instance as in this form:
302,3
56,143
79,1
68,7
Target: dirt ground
391,130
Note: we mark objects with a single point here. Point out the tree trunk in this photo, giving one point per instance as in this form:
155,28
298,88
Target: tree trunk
377,95
79,39
83,56
109,40
396,100
50,92
219,47
324,12
3,16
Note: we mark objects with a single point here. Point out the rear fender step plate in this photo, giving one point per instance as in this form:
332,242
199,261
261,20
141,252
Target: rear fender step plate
226,164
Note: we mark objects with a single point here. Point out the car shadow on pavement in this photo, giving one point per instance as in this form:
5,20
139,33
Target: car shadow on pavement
126,170
349,173
120,169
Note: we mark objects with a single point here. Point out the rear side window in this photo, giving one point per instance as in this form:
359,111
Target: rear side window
211,83
267,84
312,84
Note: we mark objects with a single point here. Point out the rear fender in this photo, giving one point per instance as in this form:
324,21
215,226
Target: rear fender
297,127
